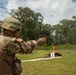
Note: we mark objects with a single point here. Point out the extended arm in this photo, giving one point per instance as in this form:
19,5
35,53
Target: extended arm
27,47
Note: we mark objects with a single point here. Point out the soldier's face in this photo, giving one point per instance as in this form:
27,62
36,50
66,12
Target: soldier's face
8,33
17,33
11,33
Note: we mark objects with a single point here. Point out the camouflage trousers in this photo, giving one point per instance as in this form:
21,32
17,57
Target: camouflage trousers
5,69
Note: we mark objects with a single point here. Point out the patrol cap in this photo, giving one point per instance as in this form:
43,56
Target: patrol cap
11,23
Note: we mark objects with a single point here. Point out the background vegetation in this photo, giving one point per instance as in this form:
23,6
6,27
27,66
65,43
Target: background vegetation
33,27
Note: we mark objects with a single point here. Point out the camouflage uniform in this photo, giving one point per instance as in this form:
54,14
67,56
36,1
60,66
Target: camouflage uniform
9,46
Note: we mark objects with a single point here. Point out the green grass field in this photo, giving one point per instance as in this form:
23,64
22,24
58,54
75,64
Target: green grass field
60,66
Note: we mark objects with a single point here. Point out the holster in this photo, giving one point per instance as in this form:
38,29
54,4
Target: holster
15,64
16,67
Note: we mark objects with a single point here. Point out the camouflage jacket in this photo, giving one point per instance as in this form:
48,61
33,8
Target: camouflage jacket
10,45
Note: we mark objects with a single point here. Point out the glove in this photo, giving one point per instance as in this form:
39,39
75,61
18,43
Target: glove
41,41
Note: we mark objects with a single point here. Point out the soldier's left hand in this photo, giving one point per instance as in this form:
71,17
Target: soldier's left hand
19,40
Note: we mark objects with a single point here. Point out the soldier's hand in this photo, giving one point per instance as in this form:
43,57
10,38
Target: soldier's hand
41,41
19,40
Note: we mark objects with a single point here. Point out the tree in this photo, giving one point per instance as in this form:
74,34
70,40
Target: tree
57,34
31,22
47,30
68,31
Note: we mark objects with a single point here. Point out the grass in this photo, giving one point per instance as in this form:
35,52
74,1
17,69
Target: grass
60,66
36,54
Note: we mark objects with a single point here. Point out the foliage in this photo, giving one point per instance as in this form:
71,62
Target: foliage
44,47
58,47
65,32
33,27
31,21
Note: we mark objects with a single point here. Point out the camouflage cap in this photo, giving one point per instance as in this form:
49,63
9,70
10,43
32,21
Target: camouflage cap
11,23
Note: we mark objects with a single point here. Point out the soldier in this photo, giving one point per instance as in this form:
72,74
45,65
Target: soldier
10,44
